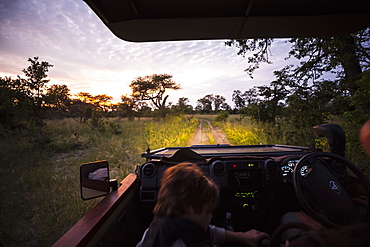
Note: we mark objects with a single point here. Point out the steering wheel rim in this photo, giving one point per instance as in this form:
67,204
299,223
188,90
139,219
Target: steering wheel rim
333,184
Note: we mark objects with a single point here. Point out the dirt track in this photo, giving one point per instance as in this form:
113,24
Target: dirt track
208,134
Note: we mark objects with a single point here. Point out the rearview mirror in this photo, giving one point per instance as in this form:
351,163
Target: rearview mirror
94,179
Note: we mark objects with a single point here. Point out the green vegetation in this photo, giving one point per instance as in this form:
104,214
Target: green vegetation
173,131
39,177
243,131
330,79
240,133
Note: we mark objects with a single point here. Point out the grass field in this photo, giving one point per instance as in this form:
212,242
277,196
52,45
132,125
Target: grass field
39,177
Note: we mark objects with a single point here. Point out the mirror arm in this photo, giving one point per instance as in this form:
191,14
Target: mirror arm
113,184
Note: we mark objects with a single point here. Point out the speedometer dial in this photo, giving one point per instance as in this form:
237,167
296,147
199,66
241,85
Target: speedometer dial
304,170
286,170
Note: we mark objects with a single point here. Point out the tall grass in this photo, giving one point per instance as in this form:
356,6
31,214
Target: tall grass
172,131
39,177
243,132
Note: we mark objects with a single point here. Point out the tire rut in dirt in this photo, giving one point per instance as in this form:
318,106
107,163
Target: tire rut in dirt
203,133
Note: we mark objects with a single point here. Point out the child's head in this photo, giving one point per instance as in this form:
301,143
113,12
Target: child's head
185,186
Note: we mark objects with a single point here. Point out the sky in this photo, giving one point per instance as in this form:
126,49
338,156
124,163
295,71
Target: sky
87,57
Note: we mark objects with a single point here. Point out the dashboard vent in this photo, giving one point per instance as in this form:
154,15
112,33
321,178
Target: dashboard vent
218,168
271,167
149,170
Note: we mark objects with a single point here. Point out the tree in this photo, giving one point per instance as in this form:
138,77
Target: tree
273,104
127,106
57,97
261,46
24,97
204,104
82,107
143,109
225,107
238,99
250,96
153,88
102,101
346,56
219,102
266,103
311,105
183,106
36,74
15,104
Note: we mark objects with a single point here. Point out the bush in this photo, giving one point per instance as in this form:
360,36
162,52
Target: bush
222,116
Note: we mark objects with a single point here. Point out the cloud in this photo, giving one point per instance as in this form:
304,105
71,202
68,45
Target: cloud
88,57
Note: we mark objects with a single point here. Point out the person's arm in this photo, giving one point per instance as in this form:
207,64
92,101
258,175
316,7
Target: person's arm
217,234
250,238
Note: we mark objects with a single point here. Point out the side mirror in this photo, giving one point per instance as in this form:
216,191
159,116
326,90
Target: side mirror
94,179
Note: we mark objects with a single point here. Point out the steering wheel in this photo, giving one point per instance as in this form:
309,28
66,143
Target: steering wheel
320,193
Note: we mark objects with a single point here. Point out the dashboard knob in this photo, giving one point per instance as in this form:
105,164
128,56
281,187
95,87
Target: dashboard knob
255,207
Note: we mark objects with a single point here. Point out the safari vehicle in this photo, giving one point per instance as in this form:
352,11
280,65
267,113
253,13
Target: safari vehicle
259,183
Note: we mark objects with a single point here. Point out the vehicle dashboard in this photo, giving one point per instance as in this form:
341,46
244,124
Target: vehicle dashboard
255,181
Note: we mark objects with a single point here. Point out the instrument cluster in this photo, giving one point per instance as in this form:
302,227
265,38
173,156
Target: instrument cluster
287,168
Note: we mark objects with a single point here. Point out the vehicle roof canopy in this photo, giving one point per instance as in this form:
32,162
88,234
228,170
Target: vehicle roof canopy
167,20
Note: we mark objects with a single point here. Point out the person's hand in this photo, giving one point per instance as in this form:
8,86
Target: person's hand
249,238
252,237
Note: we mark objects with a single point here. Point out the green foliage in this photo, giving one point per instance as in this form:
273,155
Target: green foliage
210,103
238,99
182,106
260,47
247,132
222,116
153,88
309,106
96,120
36,74
14,104
346,56
204,105
21,99
361,98
353,120
302,106
240,133
171,131
126,107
